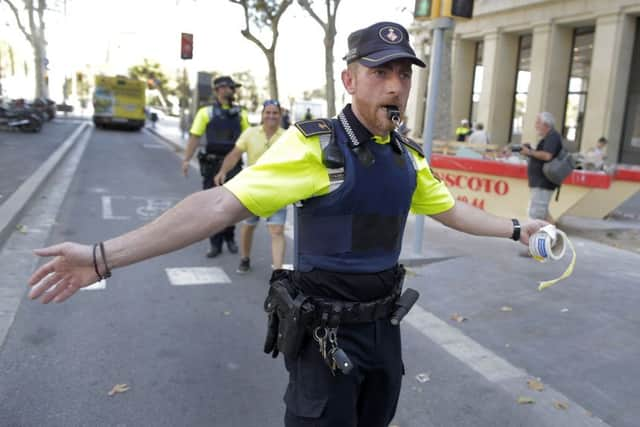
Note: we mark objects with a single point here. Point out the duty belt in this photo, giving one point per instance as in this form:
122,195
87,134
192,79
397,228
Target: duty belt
354,312
292,314
209,157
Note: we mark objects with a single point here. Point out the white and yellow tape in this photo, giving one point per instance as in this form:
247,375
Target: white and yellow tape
549,243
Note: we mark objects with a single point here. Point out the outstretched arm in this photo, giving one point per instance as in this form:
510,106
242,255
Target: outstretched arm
466,218
193,219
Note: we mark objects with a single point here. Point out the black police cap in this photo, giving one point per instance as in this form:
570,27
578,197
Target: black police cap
380,43
225,81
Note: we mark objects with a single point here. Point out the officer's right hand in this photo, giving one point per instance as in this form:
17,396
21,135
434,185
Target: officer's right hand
219,178
70,269
185,167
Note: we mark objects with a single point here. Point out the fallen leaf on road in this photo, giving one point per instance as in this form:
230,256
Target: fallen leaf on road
226,313
21,228
423,377
458,317
506,308
118,388
523,400
535,385
560,405
409,272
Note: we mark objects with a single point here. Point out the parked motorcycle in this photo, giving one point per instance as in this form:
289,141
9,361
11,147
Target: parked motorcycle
23,120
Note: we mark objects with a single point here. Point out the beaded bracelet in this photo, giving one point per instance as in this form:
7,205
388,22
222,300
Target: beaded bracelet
107,270
95,262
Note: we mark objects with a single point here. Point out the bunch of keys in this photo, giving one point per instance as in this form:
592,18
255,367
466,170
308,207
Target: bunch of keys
334,356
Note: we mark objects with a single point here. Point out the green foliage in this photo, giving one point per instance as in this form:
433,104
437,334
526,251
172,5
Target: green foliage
315,93
151,72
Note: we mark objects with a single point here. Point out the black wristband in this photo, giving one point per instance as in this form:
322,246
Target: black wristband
107,271
95,262
516,229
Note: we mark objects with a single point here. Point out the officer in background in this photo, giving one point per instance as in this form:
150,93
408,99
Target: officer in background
336,314
223,123
463,130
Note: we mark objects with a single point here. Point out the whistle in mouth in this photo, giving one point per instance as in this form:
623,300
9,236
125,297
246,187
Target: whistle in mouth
393,113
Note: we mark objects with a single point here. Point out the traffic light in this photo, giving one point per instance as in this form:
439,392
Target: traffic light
458,8
186,46
426,9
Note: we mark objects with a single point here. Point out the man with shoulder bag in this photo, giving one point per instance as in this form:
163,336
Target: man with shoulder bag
547,166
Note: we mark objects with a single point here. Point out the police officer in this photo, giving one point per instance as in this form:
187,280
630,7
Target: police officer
357,179
463,130
223,123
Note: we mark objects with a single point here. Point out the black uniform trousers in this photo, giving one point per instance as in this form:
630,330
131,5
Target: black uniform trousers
366,397
227,234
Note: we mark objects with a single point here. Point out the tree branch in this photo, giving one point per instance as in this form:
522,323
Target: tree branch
246,33
14,9
306,5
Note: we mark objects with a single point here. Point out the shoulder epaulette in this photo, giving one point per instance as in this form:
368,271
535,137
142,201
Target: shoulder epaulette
314,127
411,144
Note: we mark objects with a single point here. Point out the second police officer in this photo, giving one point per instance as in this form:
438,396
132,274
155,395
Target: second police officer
223,122
358,180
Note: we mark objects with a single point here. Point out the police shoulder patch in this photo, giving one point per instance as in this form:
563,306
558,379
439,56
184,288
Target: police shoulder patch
411,144
314,127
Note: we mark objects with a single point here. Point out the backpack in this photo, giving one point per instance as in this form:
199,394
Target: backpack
559,168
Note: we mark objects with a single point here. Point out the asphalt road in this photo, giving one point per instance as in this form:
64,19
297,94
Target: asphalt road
191,353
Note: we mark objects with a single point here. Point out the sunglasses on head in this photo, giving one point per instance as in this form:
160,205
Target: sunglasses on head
271,102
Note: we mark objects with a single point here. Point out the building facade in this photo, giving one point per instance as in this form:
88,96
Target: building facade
578,59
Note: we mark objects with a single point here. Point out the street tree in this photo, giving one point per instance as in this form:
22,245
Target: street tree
329,28
34,32
264,14
156,79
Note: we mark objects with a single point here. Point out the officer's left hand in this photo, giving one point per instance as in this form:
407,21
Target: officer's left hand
529,227
219,178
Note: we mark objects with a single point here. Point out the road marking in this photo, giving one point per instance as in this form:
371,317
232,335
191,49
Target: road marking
157,146
154,206
98,286
498,371
16,253
107,209
188,276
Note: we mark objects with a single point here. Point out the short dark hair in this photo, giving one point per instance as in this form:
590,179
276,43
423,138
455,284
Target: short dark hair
603,140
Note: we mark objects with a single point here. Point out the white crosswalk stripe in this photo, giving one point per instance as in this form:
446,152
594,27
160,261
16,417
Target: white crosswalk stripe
188,276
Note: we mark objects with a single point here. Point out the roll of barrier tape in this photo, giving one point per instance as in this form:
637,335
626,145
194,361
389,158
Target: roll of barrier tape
549,243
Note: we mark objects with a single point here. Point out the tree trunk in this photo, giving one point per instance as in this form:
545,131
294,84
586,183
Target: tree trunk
329,41
39,56
273,78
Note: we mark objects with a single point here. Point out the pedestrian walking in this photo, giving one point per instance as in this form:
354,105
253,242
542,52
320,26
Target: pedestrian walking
357,179
223,122
255,141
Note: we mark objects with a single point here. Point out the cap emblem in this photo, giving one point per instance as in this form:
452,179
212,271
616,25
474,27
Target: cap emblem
390,35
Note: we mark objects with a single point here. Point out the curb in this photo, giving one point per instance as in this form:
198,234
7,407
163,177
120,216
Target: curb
14,206
155,132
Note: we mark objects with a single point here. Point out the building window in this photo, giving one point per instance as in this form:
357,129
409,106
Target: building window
523,77
578,86
478,72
